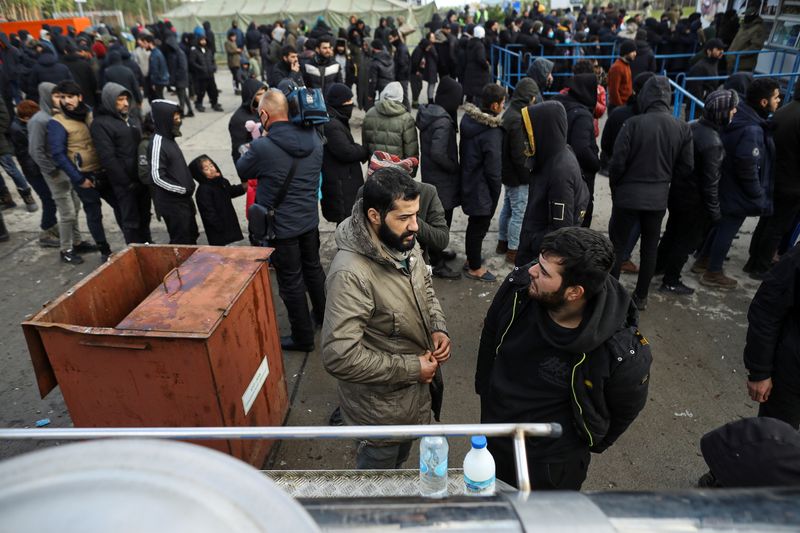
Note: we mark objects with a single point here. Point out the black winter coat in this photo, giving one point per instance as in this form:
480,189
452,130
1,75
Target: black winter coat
515,163
481,155
5,127
706,67
281,71
116,141
610,371
439,153
246,111
558,195
341,168
476,72
645,60
773,334
201,63
83,74
381,72
425,61
786,134
699,190
320,72
213,199
19,138
119,73
178,63
402,62
651,148
617,117
579,104
47,68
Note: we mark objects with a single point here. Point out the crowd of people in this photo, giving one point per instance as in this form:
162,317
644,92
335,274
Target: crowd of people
73,113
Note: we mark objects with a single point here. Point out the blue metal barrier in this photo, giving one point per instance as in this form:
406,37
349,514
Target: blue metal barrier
679,94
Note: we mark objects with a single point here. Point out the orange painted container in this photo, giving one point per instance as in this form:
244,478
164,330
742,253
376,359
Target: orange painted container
34,26
167,336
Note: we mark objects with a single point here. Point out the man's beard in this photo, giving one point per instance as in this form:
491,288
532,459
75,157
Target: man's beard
552,301
394,241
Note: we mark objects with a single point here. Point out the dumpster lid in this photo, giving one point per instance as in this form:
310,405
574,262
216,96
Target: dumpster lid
195,296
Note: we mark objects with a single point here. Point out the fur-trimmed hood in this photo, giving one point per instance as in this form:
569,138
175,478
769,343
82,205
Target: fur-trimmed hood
476,121
354,235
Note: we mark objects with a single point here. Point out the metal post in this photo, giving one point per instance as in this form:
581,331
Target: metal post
521,461
80,7
149,12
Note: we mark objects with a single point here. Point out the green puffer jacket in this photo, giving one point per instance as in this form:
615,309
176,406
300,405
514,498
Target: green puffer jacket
379,319
388,127
751,36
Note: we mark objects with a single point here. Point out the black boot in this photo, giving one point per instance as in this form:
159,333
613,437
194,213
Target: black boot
3,231
105,251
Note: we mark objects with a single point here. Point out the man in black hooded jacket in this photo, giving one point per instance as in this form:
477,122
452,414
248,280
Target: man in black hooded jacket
381,70
579,102
252,91
561,344
172,182
116,139
558,195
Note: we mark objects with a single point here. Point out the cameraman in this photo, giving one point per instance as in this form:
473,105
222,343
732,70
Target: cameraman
294,153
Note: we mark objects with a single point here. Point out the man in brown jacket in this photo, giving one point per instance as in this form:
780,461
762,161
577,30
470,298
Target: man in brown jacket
384,334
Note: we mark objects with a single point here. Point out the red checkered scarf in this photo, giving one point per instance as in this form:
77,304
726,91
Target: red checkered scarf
381,160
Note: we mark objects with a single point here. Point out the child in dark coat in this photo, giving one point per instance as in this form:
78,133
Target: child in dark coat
213,197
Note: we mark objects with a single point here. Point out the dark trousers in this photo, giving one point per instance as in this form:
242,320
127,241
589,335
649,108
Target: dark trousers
477,228
183,101
134,207
298,269
436,255
769,232
783,403
91,199
529,244
156,92
619,230
45,196
587,218
178,213
683,236
235,74
719,241
416,87
203,86
568,472
370,457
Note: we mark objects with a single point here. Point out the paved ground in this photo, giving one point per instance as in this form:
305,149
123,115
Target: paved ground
697,376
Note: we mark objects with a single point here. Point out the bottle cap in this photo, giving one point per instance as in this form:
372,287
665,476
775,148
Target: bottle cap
479,441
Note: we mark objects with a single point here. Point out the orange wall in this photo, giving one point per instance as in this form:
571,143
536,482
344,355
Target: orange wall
33,26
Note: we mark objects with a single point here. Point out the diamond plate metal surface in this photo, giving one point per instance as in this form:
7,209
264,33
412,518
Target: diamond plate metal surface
359,483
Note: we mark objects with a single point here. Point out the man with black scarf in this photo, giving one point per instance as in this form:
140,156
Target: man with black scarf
73,152
707,67
560,343
252,91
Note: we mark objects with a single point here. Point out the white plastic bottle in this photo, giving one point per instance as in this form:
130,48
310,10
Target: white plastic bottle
479,469
433,467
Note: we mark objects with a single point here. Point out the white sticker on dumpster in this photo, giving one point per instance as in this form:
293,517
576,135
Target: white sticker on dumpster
250,395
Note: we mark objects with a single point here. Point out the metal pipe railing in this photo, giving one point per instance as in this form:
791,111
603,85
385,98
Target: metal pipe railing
518,432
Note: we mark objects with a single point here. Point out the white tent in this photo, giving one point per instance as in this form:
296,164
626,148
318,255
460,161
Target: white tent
336,13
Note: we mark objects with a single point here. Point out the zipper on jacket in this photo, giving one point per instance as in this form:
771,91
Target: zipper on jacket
575,397
513,315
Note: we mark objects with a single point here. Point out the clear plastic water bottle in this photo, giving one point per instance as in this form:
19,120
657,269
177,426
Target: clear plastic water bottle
433,467
479,469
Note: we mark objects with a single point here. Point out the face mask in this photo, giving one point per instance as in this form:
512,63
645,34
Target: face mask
586,30
550,34
567,40
346,110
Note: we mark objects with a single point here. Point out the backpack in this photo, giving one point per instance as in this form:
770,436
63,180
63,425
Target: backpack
306,106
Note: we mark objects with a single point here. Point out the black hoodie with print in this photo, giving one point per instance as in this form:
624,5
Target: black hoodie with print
214,203
558,195
167,165
602,367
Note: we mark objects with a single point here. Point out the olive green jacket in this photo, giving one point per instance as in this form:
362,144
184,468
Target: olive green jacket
388,127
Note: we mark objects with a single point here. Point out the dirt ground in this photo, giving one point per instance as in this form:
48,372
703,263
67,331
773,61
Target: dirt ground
697,384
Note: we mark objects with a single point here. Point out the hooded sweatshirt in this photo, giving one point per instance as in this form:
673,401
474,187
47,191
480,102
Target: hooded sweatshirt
381,72
539,70
439,158
481,155
388,127
116,138
246,111
558,196
579,102
213,197
167,165
70,143
593,380
270,159
37,129
515,170
651,148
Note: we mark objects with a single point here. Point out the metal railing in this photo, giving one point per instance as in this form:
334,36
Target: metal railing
679,94
518,432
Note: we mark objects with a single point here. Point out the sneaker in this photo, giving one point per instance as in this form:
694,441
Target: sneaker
199,108
639,302
336,418
502,247
718,280
758,276
700,265
445,272
105,252
6,201
217,107
71,257
676,288
629,267
84,247
30,203
190,114
48,240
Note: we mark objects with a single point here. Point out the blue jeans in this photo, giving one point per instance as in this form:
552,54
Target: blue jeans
8,164
514,204
719,241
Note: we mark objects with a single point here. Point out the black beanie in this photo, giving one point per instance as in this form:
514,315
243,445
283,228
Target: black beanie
337,94
377,44
449,95
627,47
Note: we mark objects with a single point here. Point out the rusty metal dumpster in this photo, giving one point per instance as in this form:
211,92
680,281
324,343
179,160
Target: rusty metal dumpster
167,336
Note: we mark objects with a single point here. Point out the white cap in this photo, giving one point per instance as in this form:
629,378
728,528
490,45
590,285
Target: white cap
478,32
